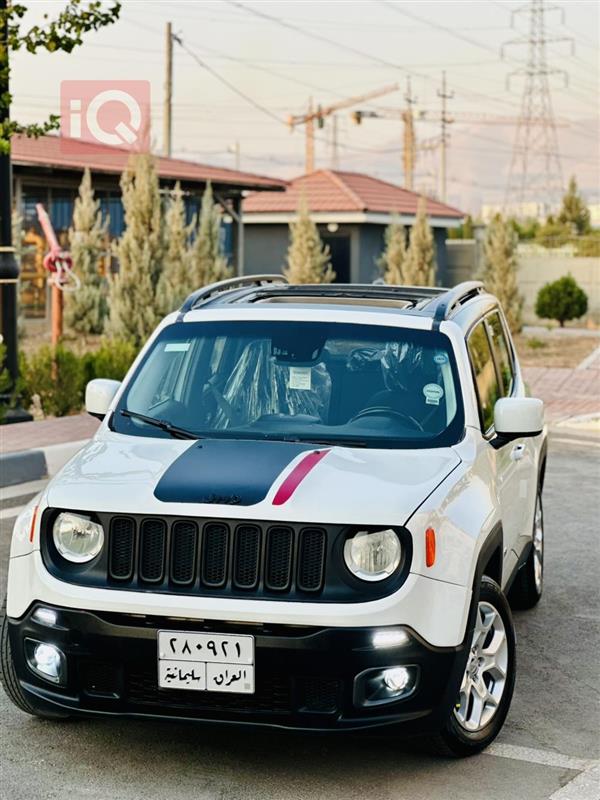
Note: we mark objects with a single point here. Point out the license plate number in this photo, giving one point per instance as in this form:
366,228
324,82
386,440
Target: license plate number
206,662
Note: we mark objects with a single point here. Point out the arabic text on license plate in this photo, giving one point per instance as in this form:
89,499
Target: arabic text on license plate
211,662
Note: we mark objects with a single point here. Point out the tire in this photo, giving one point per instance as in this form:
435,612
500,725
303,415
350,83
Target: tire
528,585
10,681
463,735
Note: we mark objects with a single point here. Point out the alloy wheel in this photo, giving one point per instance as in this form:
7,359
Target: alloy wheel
485,675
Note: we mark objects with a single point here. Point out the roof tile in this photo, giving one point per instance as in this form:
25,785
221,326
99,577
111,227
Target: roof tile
329,190
47,151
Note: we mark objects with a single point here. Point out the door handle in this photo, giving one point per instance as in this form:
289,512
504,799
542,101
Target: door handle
517,452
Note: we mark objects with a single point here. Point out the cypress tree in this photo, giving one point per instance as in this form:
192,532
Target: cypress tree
308,261
207,259
177,280
392,259
87,307
134,299
499,273
419,264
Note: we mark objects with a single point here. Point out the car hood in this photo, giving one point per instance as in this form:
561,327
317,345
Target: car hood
250,479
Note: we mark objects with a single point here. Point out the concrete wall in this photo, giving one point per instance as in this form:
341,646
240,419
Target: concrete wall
370,248
537,266
265,247
536,269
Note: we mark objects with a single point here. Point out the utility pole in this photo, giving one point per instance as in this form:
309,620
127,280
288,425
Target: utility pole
167,121
9,269
235,149
310,138
445,138
409,149
535,173
335,156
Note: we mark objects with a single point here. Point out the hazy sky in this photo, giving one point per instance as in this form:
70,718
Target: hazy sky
333,50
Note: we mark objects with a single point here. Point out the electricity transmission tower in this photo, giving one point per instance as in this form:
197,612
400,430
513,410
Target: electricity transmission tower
535,174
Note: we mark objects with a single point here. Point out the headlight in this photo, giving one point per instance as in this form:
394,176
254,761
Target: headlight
77,538
373,556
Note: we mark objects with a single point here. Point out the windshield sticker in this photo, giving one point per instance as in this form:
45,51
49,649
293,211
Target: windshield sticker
300,378
177,347
440,358
433,394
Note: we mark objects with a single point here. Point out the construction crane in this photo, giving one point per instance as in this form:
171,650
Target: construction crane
410,145
320,113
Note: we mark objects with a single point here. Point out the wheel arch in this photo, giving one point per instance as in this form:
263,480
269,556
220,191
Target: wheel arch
542,464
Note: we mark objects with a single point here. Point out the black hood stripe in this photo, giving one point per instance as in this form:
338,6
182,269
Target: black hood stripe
228,471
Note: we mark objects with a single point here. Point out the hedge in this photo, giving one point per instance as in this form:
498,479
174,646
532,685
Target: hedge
59,376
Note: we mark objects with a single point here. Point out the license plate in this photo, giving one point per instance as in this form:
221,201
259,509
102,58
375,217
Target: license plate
206,662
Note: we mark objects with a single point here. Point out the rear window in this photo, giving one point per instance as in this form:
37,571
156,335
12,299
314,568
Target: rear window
484,371
501,351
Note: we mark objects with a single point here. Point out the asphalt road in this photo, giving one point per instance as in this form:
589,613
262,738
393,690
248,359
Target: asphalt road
544,750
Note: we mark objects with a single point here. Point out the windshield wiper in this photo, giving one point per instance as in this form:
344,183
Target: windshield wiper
173,430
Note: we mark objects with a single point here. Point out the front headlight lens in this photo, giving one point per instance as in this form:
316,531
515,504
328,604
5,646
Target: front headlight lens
373,556
77,538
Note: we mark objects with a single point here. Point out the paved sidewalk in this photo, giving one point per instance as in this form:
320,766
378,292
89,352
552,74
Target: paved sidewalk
59,430
566,392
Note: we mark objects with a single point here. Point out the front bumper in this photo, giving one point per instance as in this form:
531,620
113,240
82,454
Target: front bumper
305,676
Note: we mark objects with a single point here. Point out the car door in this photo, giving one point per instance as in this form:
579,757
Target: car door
487,384
521,452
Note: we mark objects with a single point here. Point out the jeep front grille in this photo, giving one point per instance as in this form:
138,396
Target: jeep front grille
238,557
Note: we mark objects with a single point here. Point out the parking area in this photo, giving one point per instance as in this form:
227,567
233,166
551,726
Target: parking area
548,748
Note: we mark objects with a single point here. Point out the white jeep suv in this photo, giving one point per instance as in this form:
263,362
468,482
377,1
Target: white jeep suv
305,508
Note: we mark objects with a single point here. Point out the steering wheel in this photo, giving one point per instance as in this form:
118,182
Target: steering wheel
376,411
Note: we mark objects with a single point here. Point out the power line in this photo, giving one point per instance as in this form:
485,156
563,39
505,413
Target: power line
535,170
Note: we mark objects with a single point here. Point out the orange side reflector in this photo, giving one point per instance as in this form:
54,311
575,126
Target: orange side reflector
430,547
33,519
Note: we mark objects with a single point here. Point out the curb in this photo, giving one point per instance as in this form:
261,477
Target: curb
31,465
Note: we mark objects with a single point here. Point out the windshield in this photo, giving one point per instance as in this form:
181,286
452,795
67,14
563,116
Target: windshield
322,382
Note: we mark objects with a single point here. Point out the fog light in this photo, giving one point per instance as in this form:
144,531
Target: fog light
393,638
45,616
46,660
396,679
374,687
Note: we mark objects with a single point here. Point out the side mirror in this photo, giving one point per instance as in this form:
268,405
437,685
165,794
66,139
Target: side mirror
99,394
515,417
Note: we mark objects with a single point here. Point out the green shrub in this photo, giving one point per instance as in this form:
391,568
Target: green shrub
111,360
5,383
57,376
561,300
588,245
536,344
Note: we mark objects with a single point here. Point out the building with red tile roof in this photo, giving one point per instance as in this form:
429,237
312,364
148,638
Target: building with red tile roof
351,210
59,153
49,169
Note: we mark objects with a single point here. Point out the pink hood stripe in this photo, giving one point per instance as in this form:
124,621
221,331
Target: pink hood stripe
297,475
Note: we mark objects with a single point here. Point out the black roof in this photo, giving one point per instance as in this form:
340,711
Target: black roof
435,302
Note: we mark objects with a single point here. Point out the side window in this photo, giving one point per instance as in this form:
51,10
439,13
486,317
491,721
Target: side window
484,370
502,352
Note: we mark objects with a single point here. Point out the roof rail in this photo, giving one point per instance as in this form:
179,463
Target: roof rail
442,306
411,294
222,286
